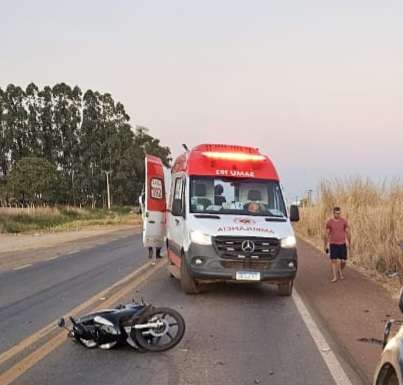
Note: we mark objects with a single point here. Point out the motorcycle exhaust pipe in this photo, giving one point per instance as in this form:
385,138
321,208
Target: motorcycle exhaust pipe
149,325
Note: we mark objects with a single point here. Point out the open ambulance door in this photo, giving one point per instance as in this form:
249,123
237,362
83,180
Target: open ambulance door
153,203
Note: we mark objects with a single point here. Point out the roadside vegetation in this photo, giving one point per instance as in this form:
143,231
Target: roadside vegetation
46,219
375,215
61,145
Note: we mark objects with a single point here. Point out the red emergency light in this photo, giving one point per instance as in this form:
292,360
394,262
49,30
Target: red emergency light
226,160
234,156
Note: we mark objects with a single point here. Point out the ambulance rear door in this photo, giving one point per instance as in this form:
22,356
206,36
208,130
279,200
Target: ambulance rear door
154,203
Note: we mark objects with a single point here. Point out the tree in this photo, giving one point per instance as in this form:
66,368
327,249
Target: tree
33,180
67,122
16,121
5,136
145,144
48,135
33,107
82,136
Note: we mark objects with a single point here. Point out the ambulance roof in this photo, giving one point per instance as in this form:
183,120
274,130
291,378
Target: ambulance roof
226,161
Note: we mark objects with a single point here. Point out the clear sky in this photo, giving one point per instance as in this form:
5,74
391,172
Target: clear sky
316,84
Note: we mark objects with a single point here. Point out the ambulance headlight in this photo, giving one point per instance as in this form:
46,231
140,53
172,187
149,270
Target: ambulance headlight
200,238
289,242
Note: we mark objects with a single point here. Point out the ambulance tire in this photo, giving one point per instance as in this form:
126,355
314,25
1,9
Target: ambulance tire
189,286
285,289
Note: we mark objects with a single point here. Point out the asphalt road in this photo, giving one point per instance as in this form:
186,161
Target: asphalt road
236,334
30,298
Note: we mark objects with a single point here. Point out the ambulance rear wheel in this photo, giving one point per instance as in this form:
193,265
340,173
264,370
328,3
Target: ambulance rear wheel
285,289
188,284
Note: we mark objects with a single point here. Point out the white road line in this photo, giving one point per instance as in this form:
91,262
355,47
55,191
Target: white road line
333,364
22,267
75,251
52,258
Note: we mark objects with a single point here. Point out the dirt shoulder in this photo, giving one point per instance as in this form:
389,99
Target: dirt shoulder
25,249
348,310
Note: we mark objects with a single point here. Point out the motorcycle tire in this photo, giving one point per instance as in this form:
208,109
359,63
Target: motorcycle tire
153,340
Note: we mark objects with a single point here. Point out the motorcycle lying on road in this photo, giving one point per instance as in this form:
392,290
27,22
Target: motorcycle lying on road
142,326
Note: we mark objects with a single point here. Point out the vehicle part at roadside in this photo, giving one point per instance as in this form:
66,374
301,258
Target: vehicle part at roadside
142,326
390,368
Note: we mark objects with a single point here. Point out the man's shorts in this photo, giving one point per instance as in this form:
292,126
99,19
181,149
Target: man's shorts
338,251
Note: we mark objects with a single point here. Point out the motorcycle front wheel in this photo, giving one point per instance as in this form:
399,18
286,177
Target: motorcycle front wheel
164,337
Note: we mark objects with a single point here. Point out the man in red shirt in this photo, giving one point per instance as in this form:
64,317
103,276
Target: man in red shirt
337,239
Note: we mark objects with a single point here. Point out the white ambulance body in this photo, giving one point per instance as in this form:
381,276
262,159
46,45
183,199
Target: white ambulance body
226,219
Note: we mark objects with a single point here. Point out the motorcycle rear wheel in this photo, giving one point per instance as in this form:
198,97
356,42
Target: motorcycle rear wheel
164,339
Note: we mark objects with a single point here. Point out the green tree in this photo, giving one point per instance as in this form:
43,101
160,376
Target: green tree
33,126
33,180
5,136
16,121
67,122
48,135
82,136
144,144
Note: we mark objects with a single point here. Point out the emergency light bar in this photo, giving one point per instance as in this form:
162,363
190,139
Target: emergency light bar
233,156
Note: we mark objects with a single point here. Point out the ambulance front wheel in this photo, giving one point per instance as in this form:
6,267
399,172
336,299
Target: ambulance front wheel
285,289
188,284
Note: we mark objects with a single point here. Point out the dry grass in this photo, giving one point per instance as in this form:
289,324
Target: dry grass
43,219
375,214
34,211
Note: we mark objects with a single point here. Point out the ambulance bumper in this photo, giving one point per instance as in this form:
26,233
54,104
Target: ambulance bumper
205,265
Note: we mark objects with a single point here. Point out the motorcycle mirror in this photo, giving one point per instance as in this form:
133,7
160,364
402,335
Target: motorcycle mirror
61,323
401,300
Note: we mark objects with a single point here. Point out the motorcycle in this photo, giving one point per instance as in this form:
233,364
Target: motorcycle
142,326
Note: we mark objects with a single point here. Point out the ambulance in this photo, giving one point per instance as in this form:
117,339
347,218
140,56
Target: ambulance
225,218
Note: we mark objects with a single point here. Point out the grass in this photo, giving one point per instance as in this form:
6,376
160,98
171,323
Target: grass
45,219
375,214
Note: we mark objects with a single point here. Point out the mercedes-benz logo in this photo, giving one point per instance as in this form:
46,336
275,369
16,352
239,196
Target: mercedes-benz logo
248,246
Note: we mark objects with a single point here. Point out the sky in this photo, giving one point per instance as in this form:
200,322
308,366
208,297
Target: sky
315,84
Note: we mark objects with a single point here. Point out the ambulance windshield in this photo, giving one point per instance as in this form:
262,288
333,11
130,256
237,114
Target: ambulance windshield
236,196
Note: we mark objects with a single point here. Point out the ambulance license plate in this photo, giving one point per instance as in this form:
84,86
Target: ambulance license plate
247,276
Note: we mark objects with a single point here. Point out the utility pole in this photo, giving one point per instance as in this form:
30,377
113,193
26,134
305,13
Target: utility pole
310,196
107,188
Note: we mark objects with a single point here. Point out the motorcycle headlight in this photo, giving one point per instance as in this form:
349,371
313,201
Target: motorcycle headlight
289,242
200,238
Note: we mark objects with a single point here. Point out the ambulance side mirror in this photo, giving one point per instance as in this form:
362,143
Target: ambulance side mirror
294,213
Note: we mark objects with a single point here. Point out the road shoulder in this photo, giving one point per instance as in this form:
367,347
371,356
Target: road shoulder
349,310
17,251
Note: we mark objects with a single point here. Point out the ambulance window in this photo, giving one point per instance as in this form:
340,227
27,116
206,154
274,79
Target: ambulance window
178,207
178,188
226,195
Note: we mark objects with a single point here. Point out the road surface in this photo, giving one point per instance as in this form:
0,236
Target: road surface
236,334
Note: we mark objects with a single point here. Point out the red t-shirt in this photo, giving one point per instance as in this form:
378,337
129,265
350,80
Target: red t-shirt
337,233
